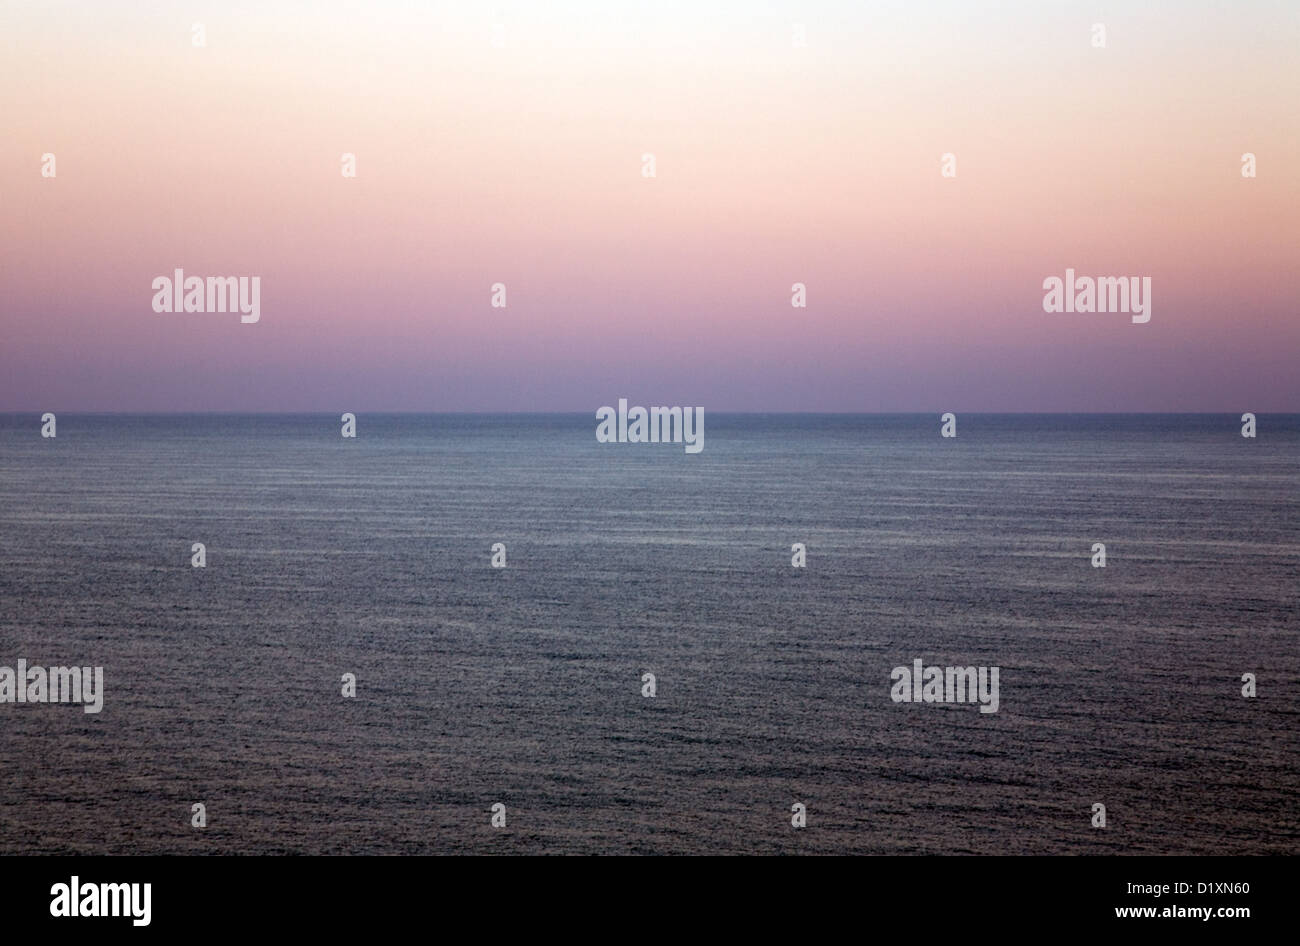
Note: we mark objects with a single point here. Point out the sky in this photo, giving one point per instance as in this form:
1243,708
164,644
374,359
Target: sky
504,143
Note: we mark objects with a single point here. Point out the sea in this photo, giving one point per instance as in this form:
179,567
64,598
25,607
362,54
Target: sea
526,687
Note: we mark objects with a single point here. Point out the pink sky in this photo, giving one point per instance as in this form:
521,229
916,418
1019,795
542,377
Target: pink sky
775,164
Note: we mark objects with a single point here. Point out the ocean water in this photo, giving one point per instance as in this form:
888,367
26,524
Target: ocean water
1119,685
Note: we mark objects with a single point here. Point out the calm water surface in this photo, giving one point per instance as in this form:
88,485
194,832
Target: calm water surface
477,685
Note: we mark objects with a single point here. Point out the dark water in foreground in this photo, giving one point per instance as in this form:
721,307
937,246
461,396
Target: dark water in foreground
523,686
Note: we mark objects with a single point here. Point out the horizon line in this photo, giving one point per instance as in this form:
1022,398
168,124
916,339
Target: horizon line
552,413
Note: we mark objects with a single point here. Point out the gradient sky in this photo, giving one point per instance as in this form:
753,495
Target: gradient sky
776,164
